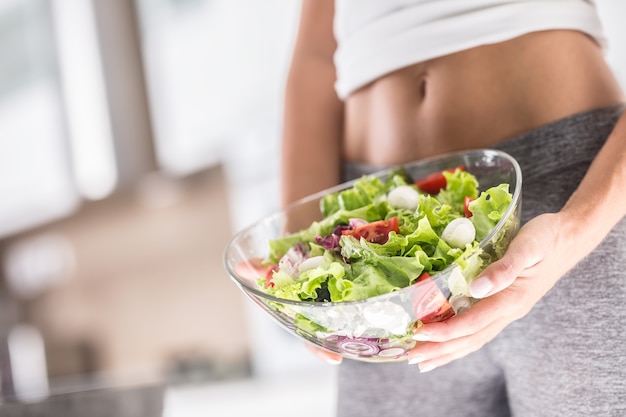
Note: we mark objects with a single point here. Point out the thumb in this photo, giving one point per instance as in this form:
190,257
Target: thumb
523,253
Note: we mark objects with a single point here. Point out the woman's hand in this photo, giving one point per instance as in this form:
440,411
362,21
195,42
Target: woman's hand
536,259
327,356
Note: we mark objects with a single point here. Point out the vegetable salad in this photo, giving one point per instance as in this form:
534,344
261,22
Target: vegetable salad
381,235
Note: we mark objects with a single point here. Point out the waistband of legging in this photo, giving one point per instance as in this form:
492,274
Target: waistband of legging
575,139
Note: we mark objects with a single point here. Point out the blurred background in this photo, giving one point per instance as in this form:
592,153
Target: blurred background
135,138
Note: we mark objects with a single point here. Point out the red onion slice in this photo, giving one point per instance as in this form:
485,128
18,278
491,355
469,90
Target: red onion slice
360,346
391,352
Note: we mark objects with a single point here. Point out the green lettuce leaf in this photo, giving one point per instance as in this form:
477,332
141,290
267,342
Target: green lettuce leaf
369,282
488,209
459,184
278,247
364,269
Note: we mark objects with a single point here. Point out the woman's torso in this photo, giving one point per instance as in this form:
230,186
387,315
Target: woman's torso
477,97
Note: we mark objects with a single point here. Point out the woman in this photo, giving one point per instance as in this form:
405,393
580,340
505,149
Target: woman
379,83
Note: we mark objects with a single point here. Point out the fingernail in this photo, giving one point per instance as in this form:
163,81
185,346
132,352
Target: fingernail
481,287
427,368
422,337
416,359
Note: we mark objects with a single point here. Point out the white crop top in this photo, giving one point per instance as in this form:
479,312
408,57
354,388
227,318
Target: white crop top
375,37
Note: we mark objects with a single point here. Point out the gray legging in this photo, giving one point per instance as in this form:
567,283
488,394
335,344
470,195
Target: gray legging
567,357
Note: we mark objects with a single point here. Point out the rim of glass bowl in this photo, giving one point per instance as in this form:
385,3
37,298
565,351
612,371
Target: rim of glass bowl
380,173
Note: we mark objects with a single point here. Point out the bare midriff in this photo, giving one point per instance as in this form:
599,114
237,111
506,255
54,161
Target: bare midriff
476,98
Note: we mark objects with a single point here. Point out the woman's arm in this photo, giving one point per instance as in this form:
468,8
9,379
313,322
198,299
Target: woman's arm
543,251
312,125
313,116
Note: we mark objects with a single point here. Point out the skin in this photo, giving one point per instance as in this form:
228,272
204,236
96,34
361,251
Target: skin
471,99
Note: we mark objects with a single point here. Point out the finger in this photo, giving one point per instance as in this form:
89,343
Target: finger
469,343
327,356
252,269
523,253
433,355
432,352
428,366
480,316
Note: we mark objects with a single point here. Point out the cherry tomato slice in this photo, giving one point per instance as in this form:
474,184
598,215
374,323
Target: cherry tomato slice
466,202
429,303
374,232
424,275
435,182
253,269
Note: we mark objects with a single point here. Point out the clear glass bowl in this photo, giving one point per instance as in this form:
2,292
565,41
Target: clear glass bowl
377,329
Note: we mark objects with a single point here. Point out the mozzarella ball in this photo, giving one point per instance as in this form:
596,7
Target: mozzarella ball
404,197
459,232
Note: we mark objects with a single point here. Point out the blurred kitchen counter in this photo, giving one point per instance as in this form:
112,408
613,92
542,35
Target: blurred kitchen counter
288,395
